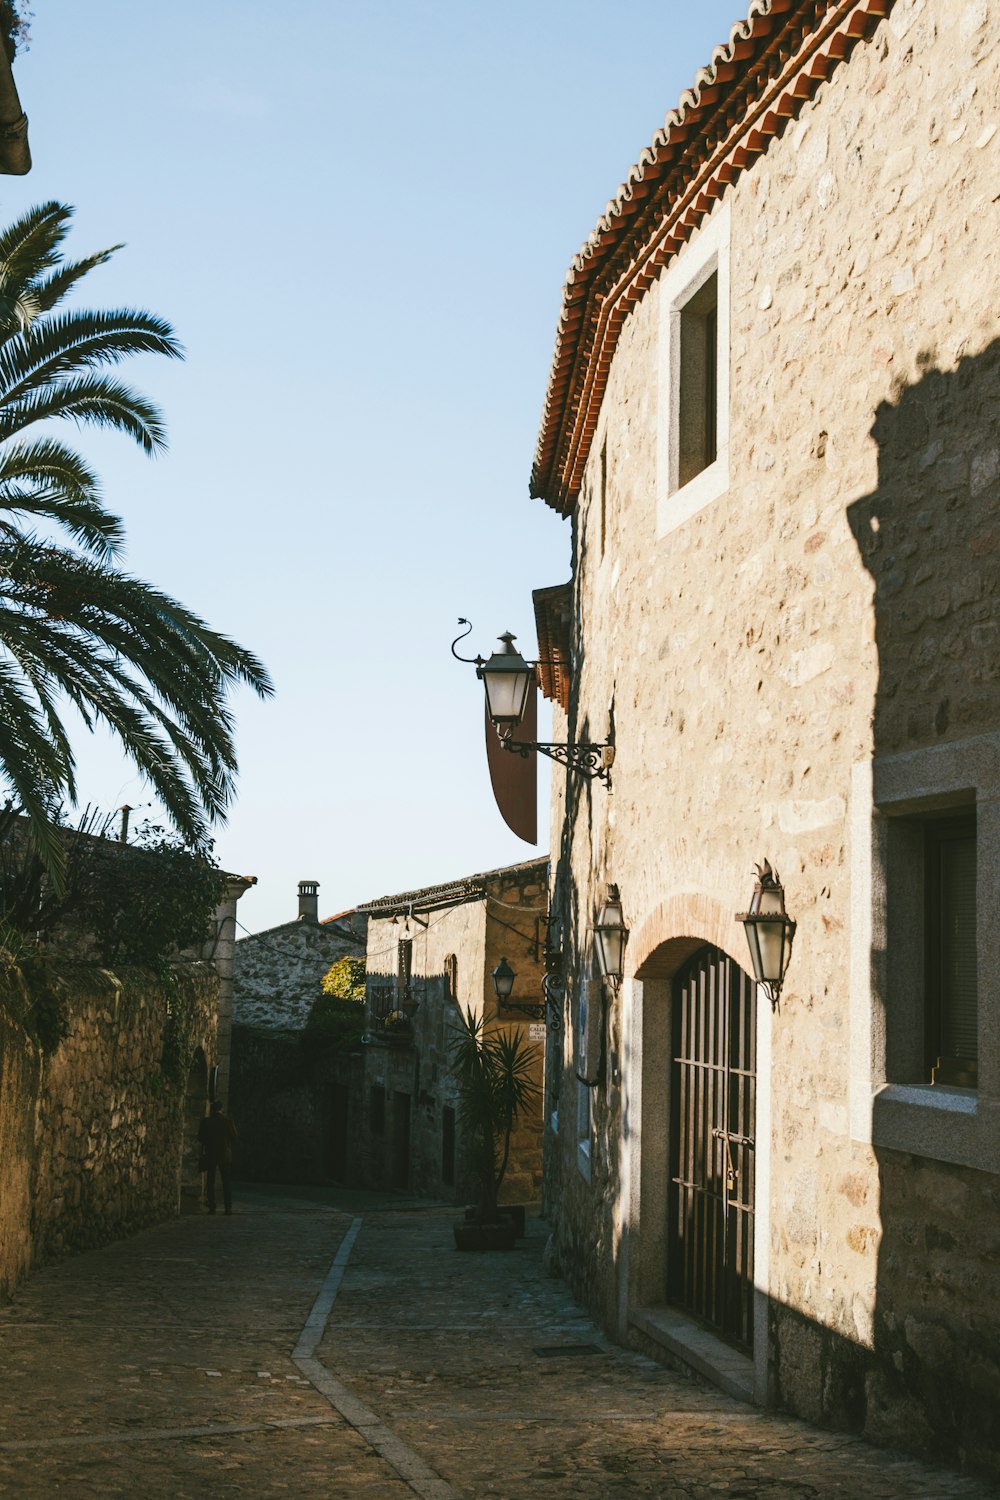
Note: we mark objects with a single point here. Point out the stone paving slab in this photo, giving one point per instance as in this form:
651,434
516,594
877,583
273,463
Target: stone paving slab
244,1356
486,1365
161,1366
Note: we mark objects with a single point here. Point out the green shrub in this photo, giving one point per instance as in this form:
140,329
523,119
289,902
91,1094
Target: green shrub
335,1024
346,979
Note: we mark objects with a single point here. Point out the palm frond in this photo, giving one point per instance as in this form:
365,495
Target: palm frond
90,399
69,343
49,481
50,292
74,629
30,245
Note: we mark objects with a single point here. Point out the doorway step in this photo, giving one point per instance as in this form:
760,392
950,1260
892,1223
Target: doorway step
685,1340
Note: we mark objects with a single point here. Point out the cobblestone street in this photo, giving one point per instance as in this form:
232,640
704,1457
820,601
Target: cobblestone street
343,1348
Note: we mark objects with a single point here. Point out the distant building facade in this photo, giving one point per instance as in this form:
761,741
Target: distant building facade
291,1100
278,972
431,954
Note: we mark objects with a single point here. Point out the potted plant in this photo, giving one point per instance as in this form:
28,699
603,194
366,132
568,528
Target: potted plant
495,1086
396,1029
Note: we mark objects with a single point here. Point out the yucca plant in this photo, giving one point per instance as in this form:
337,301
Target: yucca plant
493,1070
74,628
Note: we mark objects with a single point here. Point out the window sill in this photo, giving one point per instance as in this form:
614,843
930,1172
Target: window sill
673,510
939,1122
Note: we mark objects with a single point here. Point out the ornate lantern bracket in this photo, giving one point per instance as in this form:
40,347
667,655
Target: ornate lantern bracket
506,676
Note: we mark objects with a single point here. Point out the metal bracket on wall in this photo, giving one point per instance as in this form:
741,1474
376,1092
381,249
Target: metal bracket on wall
594,761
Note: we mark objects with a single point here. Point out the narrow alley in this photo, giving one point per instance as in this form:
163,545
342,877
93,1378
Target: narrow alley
336,1345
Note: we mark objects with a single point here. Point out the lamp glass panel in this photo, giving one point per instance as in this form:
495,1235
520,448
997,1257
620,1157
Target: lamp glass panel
771,903
753,943
503,980
771,938
610,949
506,692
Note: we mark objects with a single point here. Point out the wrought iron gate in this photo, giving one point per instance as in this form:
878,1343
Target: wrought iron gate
713,1101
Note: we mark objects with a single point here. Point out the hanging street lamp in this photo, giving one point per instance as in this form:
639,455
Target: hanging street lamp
507,677
503,977
770,931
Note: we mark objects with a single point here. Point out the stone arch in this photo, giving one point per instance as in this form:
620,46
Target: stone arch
665,938
195,1101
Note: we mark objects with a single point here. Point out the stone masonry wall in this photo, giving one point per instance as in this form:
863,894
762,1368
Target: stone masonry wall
93,1133
515,932
839,602
278,972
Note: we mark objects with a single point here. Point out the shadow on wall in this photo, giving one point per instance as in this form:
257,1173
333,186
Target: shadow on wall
914,1360
409,1130
195,1109
930,538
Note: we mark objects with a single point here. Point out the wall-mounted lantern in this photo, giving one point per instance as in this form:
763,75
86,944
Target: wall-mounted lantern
610,937
770,931
504,977
503,981
506,676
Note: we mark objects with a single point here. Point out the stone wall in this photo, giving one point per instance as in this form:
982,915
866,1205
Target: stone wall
278,972
98,1134
837,603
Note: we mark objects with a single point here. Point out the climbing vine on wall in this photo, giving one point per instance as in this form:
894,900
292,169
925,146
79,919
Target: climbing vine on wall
38,997
136,903
178,1029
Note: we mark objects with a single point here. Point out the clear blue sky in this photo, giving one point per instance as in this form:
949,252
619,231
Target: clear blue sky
359,218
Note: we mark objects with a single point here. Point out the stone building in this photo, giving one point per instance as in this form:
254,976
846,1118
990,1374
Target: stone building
291,1099
278,972
772,424
431,953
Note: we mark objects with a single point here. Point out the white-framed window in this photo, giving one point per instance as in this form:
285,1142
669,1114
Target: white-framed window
693,428
925,962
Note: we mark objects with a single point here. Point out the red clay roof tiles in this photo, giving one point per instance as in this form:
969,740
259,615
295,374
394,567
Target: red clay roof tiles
773,62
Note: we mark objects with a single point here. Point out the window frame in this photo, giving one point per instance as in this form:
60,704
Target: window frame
404,971
705,256
891,1104
942,1068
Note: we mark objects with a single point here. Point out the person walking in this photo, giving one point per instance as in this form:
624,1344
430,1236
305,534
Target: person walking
217,1135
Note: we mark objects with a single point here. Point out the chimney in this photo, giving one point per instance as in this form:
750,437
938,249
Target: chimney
308,901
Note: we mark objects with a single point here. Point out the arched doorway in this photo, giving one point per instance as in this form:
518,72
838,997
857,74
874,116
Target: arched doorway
713,1096
195,1099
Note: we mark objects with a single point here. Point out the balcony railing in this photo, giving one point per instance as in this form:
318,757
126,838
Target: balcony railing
381,1000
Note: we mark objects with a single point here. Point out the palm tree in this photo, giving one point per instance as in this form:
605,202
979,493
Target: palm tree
495,1088
74,628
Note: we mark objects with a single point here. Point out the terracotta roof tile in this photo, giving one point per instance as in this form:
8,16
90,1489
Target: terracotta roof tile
454,892
552,624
